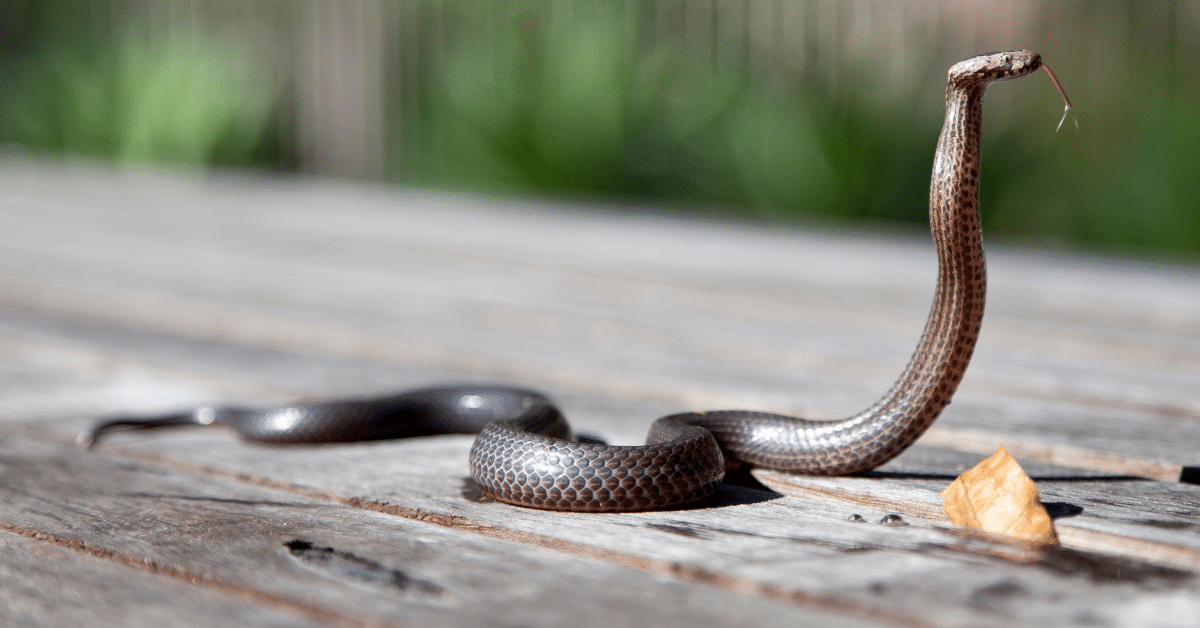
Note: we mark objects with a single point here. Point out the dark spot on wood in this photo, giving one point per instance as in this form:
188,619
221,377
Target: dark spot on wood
221,500
996,594
1168,525
1190,475
861,548
1058,510
1088,618
680,530
346,565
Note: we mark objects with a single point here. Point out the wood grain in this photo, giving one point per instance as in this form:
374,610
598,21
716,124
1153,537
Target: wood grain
42,584
326,563
151,291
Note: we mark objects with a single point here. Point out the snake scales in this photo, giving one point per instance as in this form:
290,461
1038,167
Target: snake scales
524,453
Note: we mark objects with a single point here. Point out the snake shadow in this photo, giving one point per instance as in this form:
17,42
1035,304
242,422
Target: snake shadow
739,489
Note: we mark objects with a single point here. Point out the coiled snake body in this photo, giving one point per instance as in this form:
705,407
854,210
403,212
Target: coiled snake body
523,454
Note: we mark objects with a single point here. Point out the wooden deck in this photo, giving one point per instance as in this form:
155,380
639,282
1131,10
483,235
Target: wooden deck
124,292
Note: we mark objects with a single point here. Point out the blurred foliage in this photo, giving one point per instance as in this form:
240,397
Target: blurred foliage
592,98
535,96
565,100
1127,180
173,97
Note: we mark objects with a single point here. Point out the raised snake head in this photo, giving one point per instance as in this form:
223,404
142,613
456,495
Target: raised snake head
997,66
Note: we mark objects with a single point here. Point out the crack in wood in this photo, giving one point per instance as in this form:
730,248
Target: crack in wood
311,611
1189,475
1059,510
345,564
681,530
218,500
700,531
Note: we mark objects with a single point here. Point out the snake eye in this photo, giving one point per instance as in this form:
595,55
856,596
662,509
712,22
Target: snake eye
1007,59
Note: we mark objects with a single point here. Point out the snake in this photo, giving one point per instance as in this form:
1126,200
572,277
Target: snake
525,454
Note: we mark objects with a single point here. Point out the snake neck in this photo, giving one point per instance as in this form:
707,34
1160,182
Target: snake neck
937,366
876,435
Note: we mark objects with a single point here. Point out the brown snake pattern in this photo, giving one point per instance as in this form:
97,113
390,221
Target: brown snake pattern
524,454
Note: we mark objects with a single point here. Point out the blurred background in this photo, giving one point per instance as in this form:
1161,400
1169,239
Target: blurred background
778,110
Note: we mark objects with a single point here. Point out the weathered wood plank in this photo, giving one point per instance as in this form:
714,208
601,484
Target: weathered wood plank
776,548
431,470
168,292
1119,515
265,551
698,314
43,584
396,474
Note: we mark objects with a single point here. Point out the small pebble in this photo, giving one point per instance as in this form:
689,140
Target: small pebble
855,518
893,520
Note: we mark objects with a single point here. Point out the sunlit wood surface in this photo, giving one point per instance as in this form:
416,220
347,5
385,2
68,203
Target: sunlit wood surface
139,292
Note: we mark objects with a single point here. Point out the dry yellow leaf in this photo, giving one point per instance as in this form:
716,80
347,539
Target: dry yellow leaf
996,496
